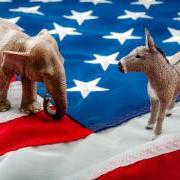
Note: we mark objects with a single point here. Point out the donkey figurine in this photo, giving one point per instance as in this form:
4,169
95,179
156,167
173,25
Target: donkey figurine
164,79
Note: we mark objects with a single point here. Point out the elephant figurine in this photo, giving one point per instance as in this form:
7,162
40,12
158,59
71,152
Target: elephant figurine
34,59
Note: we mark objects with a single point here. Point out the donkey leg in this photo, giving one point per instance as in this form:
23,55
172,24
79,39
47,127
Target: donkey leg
170,107
161,116
154,113
29,102
4,85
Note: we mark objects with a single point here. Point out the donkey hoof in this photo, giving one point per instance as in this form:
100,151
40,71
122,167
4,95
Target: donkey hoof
155,137
168,114
149,126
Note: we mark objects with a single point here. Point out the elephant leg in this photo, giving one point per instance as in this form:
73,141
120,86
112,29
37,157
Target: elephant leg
29,102
4,86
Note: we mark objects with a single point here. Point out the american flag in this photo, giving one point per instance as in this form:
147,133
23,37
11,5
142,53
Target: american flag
103,135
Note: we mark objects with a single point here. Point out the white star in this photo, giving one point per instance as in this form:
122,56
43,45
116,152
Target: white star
80,17
14,21
95,2
122,37
63,31
147,3
86,88
46,1
105,61
33,10
177,18
134,15
175,36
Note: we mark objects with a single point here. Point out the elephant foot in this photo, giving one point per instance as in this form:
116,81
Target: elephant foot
31,108
5,106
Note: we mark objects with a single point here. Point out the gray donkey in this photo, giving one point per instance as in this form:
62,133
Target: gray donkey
163,79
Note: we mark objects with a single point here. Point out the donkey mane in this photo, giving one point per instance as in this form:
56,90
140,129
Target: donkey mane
163,54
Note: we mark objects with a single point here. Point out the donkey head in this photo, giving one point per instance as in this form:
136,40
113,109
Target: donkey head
141,59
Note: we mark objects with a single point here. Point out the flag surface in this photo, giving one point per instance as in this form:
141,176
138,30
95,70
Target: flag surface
92,37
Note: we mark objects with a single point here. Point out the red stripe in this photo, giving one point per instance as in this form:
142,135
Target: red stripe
13,79
38,129
165,167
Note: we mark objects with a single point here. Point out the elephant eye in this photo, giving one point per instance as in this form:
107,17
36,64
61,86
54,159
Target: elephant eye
138,56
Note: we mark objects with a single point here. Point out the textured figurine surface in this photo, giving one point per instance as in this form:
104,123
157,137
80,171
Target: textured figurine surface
163,79
35,59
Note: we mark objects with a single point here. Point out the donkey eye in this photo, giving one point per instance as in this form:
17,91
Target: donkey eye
138,56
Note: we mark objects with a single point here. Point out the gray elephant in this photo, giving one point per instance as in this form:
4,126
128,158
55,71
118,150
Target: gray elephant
34,59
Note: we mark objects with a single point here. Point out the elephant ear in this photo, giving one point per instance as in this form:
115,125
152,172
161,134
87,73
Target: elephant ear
12,59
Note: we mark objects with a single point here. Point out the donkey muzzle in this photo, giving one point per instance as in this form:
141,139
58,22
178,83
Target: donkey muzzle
120,67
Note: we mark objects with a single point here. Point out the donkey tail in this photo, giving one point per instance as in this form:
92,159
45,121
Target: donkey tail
176,58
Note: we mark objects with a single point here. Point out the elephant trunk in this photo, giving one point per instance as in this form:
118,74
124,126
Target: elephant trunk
60,108
60,99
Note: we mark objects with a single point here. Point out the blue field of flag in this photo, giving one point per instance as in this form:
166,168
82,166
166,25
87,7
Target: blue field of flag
92,37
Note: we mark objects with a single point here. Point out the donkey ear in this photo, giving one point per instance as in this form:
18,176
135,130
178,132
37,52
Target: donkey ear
13,59
149,41
146,35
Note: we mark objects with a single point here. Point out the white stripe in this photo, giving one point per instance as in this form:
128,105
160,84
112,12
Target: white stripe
148,150
14,96
93,156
